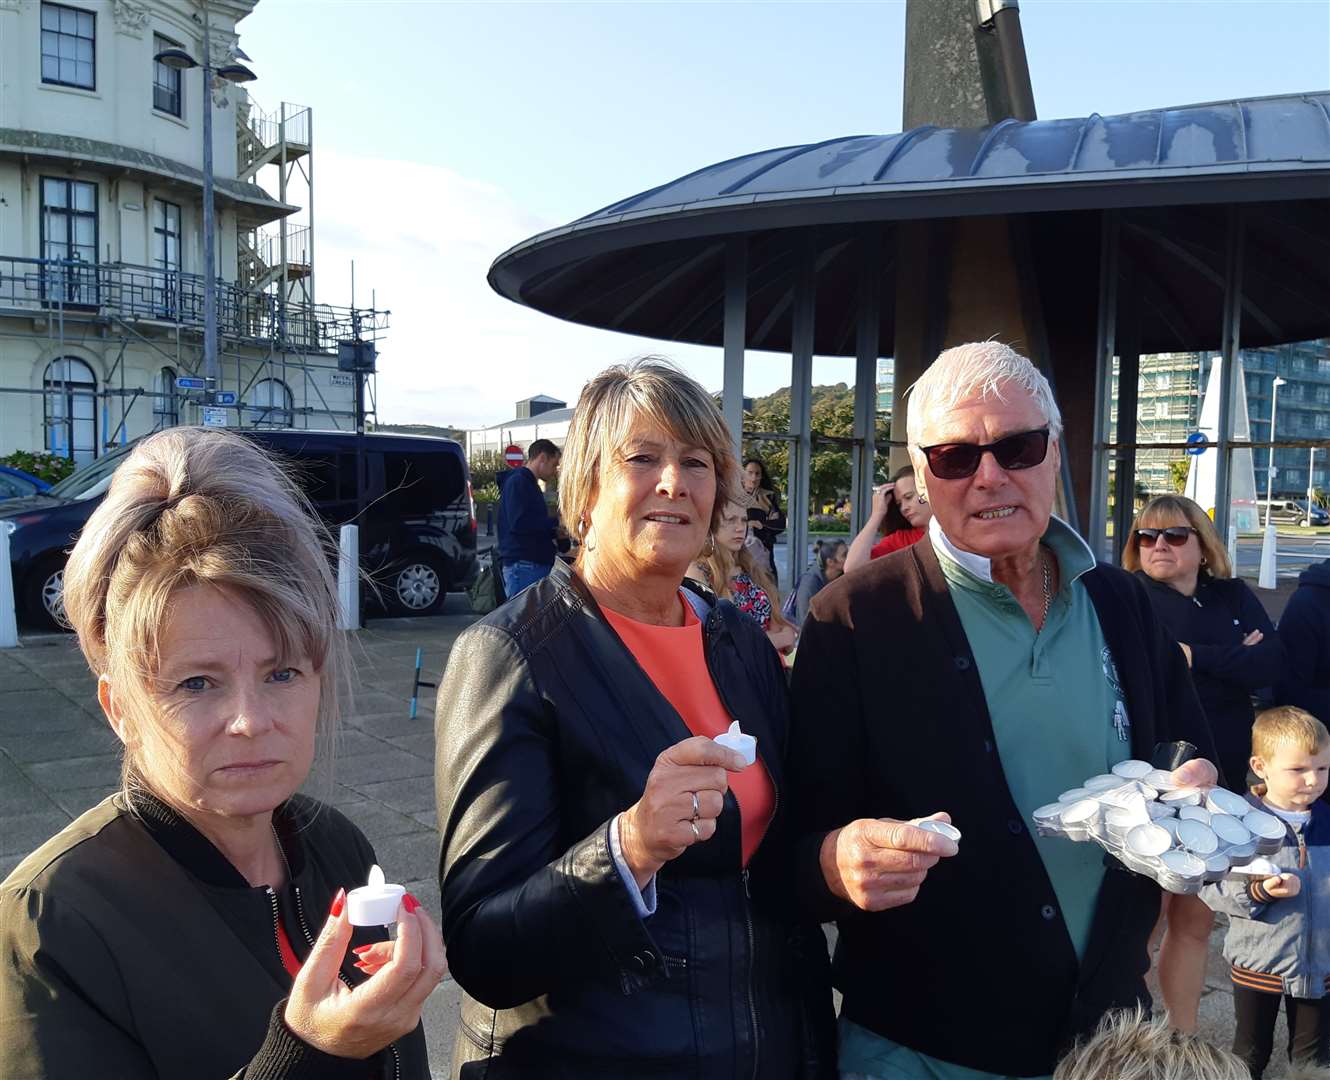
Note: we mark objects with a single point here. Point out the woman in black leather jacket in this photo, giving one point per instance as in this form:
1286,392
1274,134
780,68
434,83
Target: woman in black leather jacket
615,899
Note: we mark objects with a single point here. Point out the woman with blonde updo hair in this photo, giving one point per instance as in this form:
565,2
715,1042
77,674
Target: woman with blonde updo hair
194,923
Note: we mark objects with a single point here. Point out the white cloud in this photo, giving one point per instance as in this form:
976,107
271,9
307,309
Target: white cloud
423,238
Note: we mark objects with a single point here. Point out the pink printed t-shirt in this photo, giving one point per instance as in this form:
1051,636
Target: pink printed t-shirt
673,658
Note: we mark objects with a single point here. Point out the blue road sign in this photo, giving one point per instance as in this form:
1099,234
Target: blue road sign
1197,443
225,397
190,382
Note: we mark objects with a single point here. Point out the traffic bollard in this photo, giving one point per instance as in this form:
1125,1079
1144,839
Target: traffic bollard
8,618
348,578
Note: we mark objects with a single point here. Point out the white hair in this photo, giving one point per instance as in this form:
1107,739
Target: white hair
980,369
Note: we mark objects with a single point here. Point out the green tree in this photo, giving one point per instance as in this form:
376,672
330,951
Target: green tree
485,468
832,412
1177,474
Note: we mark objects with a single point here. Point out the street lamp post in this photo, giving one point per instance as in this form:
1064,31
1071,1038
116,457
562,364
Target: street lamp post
1270,461
233,73
1269,555
1311,468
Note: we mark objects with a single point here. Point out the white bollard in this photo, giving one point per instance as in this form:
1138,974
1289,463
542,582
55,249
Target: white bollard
348,578
8,620
1268,577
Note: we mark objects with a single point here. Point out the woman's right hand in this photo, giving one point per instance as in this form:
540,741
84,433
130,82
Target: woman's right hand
882,497
355,1023
660,826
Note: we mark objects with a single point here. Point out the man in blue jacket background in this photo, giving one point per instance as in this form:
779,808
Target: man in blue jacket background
526,527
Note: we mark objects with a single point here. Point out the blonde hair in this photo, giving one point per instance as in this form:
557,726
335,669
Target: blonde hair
1127,1046
1287,725
983,368
648,390
1164,510
719,563
200,506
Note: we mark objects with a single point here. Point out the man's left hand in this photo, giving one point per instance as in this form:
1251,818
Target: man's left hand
1197,773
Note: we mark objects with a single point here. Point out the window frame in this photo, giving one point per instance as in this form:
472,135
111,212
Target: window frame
41,44
76,291
66,391
160,43
166,404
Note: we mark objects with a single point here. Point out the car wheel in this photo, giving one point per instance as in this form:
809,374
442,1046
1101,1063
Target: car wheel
418,585
44,595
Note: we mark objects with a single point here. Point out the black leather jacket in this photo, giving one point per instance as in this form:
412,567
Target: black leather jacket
546,729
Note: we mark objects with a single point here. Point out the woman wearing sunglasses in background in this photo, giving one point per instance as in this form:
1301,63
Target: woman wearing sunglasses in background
980,672
1232,650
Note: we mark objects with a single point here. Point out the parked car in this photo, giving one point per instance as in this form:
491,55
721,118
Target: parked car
17,484
1291,512
417,530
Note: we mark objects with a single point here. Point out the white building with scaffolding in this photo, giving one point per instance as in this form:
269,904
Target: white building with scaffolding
101,239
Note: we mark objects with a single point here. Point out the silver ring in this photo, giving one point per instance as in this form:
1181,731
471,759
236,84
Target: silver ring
697,810
696,835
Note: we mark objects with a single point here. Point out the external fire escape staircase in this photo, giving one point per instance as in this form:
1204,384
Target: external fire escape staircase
278,259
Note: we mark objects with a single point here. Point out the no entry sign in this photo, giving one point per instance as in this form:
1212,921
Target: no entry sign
514,456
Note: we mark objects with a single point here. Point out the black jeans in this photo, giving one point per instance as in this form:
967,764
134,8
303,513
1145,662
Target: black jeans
1256,1013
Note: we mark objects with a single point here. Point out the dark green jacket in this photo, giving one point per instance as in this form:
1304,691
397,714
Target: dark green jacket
130,947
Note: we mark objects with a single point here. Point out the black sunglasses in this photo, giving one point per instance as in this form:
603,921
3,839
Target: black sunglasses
1174,535
956,461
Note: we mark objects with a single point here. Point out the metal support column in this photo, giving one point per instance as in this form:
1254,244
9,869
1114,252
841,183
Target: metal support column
801,411
865,377
1230,343
736,322
1129,374
1105,346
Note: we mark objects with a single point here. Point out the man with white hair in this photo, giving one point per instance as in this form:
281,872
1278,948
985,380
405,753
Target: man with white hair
975,676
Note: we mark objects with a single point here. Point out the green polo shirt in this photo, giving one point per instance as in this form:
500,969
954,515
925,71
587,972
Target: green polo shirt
1058,718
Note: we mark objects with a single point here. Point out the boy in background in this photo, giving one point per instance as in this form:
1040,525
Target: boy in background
1278,940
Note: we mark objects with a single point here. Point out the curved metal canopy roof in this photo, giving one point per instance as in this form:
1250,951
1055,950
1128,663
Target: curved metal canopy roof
653,264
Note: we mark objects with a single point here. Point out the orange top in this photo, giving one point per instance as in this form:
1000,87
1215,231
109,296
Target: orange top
673,658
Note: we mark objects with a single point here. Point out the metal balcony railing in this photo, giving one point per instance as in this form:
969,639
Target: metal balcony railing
148,294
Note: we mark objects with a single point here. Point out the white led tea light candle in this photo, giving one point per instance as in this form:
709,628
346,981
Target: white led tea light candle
375,903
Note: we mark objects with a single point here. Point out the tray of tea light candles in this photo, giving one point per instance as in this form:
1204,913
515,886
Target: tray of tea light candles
1181,837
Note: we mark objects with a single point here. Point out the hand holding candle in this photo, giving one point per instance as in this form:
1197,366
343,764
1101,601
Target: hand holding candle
357,1021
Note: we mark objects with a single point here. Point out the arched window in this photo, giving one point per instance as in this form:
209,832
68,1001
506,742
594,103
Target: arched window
269,403
165,403
70,409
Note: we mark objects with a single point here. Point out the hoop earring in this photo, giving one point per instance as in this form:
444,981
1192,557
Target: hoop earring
922,498
584,532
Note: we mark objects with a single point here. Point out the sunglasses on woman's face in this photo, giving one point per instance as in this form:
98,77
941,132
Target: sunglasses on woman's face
956,461
1174,535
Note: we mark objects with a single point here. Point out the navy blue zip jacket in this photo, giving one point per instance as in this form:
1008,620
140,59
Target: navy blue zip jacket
526,529
1213,622
1305,631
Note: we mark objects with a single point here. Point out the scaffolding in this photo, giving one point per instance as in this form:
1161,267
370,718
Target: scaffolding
269,324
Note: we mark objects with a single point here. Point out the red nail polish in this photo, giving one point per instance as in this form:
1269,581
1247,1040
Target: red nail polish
410,903
361,965
359,949
338,902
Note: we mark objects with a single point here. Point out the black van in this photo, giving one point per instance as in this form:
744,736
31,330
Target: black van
417,531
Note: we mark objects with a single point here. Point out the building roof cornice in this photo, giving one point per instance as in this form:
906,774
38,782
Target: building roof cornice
250,201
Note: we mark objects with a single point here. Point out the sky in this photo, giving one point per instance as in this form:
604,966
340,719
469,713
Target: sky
445,133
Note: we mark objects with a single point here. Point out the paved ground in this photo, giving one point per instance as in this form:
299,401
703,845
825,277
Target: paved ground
57,758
